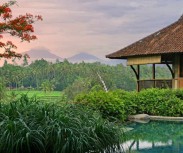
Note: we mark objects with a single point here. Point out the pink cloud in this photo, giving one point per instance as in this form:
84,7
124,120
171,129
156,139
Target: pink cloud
97,26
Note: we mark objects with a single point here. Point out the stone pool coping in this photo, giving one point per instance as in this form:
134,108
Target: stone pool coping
146,117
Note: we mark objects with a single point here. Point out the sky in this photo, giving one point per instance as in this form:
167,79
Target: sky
98,27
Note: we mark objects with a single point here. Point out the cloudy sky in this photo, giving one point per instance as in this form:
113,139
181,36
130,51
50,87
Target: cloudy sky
98,27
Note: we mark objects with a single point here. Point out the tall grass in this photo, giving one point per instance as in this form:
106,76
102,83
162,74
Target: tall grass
30,126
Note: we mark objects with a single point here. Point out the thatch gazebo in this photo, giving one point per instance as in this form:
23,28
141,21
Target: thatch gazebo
162,47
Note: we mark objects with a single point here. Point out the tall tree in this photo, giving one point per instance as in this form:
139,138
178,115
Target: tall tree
47,86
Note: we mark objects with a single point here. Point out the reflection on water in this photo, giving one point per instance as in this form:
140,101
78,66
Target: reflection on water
154,137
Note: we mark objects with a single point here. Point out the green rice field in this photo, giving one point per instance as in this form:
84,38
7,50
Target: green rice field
48,96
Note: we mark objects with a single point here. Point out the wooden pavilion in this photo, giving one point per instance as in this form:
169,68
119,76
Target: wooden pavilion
162,47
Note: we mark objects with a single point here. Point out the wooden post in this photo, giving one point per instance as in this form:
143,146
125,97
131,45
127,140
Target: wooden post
154,74
137,74
171,70
138,78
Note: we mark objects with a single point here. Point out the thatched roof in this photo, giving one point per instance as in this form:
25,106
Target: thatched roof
165,41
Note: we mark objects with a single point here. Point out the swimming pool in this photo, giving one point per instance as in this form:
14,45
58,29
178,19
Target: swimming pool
154,137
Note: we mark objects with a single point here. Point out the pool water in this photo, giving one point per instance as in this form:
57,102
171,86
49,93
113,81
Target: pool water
154,137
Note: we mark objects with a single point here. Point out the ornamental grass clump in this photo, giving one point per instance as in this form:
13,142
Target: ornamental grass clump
30,126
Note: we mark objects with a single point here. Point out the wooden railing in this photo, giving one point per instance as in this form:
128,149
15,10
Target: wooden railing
157,83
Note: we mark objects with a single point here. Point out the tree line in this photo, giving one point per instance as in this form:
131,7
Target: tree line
79,76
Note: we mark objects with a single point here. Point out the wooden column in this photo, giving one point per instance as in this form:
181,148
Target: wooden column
154,75
137,74
171,70
138,78
176,71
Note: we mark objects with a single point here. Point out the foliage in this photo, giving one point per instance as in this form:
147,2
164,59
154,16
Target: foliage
32,93
27,125
120,104
159,102
47,86
67,76
20,27
2,90
178,93
107,103
54,96
130,105
79,86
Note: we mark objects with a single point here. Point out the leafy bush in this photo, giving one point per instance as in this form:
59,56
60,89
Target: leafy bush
120,104
27,125
178,93
129,101
162,102
106,102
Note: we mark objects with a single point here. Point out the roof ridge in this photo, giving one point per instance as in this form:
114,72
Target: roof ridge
181,18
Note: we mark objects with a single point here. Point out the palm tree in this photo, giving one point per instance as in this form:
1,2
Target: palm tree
47,86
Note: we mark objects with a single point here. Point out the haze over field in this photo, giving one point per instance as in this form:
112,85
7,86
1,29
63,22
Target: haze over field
97,27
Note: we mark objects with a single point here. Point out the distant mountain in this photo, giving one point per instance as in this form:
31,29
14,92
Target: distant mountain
83,57
44,53
41,53
89,58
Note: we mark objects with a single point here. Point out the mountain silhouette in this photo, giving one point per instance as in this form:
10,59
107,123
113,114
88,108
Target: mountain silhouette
38,53
83,57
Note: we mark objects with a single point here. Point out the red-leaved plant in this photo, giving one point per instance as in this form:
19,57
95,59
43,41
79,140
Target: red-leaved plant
20,27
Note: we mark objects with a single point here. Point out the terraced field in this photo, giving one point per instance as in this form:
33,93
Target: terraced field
53,96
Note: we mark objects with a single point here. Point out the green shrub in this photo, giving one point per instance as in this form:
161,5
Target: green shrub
129,101
27,125
162,102
108,103
120,104
178,93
